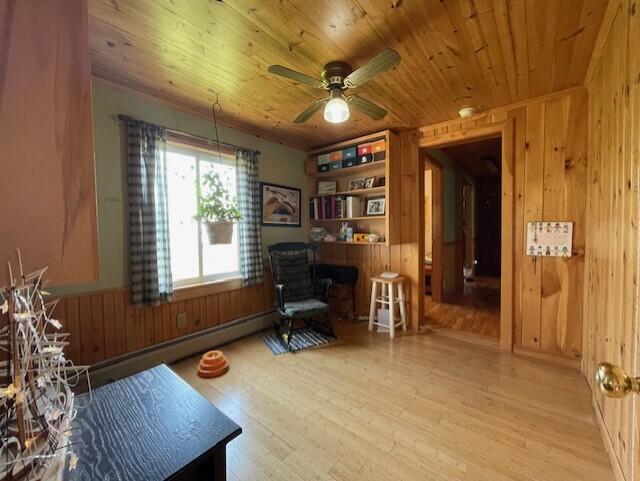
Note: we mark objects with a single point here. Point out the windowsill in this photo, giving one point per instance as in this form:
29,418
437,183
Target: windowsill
192,291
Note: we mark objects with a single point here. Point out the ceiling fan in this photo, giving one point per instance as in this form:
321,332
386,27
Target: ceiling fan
336,78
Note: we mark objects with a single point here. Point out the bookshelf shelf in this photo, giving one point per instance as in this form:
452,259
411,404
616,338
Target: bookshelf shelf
365,192
386,226
347,219
347,242
349,171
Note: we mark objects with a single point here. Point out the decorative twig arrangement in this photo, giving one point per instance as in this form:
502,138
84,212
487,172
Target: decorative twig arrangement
36,381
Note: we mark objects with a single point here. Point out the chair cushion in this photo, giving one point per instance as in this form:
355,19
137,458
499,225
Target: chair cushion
306,307
292,270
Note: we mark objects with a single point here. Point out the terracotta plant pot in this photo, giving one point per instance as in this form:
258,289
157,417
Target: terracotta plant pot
219,232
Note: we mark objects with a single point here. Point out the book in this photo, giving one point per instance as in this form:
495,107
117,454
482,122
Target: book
353,207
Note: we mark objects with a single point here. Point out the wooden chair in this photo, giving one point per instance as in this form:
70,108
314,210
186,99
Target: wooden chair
300,294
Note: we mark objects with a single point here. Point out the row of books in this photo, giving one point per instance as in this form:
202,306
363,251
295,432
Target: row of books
335,207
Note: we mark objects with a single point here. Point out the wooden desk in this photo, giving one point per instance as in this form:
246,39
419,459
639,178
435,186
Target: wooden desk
151,426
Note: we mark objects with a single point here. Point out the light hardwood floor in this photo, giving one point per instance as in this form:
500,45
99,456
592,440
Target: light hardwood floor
474,311
420,407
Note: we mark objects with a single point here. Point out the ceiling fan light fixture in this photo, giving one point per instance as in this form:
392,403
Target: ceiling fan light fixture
336,111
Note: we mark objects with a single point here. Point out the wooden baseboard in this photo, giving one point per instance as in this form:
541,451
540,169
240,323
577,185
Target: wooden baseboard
606,440
462,336
552,358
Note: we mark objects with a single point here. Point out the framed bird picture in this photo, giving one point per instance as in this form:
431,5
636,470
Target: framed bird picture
280,205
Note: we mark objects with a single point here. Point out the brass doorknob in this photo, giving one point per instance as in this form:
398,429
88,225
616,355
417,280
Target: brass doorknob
614,382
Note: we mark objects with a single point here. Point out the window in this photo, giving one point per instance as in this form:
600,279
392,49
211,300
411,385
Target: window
193,259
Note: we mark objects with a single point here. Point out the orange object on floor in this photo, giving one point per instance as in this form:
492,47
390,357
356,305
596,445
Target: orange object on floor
213,364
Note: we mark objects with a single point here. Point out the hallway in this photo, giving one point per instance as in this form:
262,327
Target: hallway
475,310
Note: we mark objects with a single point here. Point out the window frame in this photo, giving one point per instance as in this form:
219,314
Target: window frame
208,156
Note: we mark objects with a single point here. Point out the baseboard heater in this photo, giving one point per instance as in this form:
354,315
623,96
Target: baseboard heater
179,348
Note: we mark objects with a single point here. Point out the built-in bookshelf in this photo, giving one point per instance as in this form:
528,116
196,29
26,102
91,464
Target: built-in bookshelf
327,209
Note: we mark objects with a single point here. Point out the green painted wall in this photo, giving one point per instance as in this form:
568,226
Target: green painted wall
278,164
452,177
449,195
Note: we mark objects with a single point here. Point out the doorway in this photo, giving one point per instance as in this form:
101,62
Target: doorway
463,208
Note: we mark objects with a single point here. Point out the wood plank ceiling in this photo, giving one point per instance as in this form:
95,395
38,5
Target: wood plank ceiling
455,53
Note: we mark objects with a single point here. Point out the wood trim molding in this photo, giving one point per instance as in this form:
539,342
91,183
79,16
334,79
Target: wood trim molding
384,134
206,289
482,116
573,364
503,129
437,220
610,14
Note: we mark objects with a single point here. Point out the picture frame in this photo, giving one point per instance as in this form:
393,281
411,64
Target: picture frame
280,205
369,182
381,181
326,187
375,206
356,183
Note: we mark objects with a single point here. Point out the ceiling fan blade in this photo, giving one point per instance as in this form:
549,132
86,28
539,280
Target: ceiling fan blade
380,63
366,107
297,76
312,109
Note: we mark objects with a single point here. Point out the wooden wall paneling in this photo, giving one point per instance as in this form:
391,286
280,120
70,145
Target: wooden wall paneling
120,321
394,190
139,325
149,330
518,116
533,205
157,324
562,186
631,189
47,141
196,320
166,321
412,211
507,255
437,273
611,252
575,176
109,310
71,324
104,325
212,311
554,271
174,308
86,329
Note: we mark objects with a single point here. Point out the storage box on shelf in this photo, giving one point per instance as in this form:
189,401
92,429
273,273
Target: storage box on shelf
349,164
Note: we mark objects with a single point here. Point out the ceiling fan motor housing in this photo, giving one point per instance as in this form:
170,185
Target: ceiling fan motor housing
334,73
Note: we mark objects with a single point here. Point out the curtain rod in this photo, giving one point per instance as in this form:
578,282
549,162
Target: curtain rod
194,136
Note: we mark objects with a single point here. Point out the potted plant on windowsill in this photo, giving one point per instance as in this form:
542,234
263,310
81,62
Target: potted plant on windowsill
217,209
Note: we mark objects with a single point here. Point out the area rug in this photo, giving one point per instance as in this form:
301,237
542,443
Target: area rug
304,338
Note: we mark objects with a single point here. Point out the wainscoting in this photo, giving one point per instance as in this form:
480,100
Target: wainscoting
105,324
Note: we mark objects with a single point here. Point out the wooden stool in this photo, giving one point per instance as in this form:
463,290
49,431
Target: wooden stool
388,299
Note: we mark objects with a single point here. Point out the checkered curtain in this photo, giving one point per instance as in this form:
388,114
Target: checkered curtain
149,258
250,232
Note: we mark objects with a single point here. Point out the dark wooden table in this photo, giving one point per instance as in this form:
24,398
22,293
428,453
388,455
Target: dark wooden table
151,426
